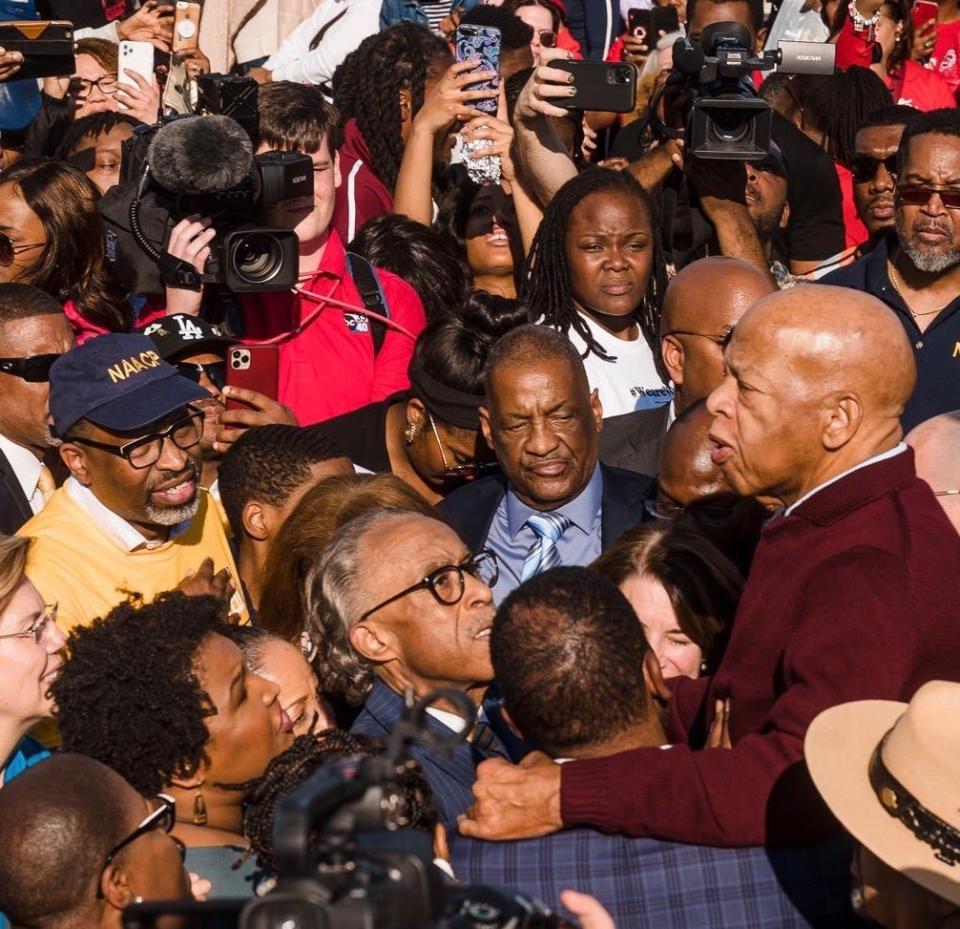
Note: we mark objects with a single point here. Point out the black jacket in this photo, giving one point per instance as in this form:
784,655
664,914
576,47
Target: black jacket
14,506
470,509
632,440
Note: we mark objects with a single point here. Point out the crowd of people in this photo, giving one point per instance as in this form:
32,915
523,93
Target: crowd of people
647,461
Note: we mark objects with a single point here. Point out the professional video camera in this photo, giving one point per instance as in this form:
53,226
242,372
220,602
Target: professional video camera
204,165
727,119
346,859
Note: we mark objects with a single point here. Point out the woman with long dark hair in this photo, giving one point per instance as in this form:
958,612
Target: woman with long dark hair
596,272
51,236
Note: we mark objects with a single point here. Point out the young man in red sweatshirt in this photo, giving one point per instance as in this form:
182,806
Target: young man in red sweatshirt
852,593
333,365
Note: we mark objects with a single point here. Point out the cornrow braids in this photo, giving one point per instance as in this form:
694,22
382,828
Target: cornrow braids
403,53
291,768
546,287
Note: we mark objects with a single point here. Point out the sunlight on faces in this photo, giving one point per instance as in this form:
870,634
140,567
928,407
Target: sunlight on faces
930,234
24,227
310,218
283,664
249,727
544,424
25,410
678,655
27,668
874,198
417,639
96,101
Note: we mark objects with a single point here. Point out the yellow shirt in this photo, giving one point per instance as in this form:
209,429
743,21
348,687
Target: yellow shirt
77,563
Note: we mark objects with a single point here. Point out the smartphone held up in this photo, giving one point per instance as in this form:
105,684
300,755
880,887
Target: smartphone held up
482,45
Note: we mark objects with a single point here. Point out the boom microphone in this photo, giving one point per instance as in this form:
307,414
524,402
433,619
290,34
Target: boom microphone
200,155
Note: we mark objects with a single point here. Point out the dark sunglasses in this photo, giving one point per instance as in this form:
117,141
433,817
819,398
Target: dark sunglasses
920,194
864,167
216,372
35,369
9,251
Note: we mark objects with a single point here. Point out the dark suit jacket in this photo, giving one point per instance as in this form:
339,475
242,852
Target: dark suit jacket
470,509
632,441
14,506
450,774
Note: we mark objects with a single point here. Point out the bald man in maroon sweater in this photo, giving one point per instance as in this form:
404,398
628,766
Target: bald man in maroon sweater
854,593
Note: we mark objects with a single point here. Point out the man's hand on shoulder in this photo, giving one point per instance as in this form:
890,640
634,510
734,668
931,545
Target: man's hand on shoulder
515,801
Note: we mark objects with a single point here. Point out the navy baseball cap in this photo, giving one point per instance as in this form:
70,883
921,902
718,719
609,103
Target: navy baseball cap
118,382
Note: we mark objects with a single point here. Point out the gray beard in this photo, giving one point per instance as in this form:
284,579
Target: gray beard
172,516
930,262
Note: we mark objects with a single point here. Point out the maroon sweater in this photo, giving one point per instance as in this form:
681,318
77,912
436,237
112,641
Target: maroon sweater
855,595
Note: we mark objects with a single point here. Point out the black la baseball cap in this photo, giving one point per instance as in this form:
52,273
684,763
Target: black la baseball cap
118,382
181,334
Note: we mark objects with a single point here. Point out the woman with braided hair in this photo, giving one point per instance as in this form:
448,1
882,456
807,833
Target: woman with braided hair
378,90
596,273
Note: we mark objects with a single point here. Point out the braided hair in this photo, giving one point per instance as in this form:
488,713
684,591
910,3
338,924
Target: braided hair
291,768
366,85
546,287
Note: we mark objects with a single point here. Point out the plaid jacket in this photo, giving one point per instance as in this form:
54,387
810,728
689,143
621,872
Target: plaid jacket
649,884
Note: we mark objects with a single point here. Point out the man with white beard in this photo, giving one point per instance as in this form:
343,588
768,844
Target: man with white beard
917,271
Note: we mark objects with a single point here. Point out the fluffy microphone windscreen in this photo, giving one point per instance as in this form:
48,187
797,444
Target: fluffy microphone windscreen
200,154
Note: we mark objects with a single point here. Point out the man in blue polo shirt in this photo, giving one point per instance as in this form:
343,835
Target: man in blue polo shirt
916,271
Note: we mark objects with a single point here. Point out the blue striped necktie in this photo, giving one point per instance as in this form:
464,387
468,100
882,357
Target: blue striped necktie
544,553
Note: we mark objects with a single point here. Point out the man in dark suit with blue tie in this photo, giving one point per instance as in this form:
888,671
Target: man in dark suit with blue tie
401,608
555,503
577,678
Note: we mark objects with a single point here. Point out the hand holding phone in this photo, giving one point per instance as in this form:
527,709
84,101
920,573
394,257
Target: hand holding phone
481,44
601,86
186,26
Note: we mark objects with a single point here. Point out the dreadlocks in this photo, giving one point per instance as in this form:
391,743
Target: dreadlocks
291,768
547,277
366,88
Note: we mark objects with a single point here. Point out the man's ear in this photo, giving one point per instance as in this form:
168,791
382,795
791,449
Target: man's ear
370,642
255,522
842,417
486,428
115,887
74,457
337,176
596,407
785,215
671,350
653,676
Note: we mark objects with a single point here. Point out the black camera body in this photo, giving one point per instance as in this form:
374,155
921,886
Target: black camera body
346,858
204,165
727,119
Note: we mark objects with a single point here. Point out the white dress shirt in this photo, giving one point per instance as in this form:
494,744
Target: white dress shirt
27,467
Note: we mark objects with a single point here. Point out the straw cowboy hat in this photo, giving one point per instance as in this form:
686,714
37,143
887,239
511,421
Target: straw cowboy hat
890,772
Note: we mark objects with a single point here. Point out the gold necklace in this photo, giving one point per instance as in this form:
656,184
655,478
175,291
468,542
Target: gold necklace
895,270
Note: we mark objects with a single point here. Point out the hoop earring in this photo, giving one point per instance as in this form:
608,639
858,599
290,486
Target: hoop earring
199,809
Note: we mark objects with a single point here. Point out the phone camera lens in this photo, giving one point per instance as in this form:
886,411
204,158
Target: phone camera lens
623,75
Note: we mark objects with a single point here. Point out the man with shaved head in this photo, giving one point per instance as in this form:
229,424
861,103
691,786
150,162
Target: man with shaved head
852,593
936,446
700,309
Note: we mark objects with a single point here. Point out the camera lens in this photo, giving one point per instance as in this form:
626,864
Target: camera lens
257,257
623,75
730,125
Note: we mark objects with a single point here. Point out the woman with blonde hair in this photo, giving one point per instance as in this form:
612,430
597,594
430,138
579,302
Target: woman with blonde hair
30,645
306,532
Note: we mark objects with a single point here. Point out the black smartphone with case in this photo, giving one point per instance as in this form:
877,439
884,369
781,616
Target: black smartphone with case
606,87
638,23
46,46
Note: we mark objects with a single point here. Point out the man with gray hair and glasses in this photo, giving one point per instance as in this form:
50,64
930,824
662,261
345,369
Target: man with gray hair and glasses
401,607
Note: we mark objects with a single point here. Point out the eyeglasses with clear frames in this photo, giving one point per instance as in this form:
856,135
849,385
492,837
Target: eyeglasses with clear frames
37,628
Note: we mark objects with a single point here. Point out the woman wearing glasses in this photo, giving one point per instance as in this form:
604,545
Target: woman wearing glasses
51,236
30,646
429,436
160,694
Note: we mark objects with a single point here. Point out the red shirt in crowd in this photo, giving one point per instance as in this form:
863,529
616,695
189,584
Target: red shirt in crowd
329,368
851,597
945,59
361,195
913,85
854,230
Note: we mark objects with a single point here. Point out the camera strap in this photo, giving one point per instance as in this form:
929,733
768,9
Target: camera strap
368,286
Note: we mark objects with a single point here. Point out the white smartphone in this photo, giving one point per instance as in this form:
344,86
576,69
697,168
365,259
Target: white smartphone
135,56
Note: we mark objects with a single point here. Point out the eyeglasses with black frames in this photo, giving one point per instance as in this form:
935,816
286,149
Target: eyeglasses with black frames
448,583
143,452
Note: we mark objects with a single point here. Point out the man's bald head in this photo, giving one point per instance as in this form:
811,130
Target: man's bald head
936,445
817,379
701,306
